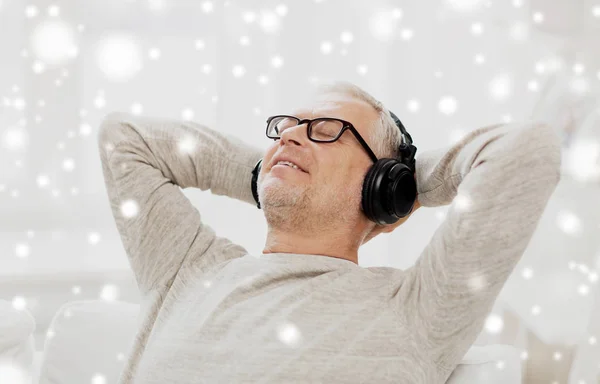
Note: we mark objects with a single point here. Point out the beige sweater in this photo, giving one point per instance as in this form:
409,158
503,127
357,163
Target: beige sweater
212,313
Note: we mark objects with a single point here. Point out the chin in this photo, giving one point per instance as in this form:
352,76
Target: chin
275,192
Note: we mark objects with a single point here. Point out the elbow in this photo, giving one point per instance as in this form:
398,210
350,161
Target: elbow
110,130
554,137
546,142
109,122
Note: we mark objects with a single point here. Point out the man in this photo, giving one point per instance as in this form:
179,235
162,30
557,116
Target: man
317,211
304,311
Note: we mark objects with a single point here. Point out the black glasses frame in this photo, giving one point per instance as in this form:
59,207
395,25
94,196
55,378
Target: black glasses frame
346,126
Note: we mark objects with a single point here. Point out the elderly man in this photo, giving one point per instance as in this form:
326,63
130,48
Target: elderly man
304,310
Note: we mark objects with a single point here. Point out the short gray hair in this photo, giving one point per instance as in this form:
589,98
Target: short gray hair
386,137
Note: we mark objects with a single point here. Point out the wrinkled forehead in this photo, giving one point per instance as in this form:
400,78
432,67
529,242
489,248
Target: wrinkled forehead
339,106
326,109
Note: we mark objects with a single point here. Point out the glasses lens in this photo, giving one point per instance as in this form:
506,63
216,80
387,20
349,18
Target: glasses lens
278,124
325,129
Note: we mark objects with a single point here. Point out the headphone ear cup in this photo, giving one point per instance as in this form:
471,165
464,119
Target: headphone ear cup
402,191
367,205
375,195
389,191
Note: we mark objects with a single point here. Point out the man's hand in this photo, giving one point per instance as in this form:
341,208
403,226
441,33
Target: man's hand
390,227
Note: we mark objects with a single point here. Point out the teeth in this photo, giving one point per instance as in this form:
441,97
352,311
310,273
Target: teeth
288,163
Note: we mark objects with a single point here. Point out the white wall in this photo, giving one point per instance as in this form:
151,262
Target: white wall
491,57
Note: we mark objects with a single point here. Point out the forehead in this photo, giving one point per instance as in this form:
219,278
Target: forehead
340,106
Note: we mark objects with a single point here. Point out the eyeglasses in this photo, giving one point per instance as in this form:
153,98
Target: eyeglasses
320,130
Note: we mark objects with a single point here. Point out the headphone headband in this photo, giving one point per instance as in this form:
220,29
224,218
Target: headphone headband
405,135
407,151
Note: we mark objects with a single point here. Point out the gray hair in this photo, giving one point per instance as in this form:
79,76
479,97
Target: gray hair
385,135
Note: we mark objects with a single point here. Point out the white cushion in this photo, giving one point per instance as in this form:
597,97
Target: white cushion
91,338
490,364
17,344
90,335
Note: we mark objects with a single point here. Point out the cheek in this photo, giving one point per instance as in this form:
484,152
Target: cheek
345,186
268,156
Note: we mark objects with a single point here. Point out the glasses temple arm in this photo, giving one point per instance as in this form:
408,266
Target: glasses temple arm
363,143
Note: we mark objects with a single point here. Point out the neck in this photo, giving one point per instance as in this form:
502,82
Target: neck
326,244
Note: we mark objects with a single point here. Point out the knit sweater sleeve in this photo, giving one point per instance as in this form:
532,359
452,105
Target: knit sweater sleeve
146,162
499,180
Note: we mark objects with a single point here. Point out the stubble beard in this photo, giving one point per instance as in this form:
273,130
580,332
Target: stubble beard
304,210
285,205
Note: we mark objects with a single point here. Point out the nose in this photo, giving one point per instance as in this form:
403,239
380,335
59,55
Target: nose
296,135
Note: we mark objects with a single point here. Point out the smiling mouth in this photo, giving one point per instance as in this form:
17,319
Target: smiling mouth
287,166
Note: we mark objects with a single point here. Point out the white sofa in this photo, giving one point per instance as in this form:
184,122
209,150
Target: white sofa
88,341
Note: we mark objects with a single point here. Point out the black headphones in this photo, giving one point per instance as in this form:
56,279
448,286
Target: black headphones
389,190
